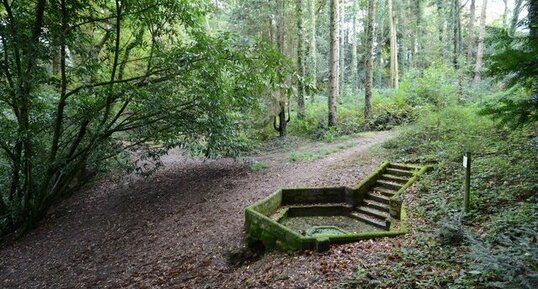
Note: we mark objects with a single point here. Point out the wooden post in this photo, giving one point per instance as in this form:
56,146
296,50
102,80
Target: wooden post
467,195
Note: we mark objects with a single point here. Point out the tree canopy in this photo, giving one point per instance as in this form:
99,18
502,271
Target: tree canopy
84,81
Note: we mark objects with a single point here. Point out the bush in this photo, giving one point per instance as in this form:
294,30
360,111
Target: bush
436,86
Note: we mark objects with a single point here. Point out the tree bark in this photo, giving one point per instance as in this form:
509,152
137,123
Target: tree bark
312,68
333,61
470,33
378,48
354,68
533,34
457,34
394,73
369,59
281,47
441,29
480,49
417,35
533,20
342,65
300,61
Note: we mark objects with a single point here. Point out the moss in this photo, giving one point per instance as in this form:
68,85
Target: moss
396,201
322,244
259,225
268,205
313,196
360,190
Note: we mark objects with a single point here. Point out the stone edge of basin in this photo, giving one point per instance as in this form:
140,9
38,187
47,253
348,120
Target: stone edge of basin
259,227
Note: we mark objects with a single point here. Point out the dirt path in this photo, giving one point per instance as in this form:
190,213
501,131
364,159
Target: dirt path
173,229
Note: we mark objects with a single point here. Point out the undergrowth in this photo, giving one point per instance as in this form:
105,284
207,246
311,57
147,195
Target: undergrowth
432,89
498,245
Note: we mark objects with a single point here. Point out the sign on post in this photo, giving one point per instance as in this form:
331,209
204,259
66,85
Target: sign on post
467,184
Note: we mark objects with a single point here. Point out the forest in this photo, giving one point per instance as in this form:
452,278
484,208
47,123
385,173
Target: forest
134,133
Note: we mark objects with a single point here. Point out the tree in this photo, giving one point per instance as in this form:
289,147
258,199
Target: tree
283,120
440,5
343,38
333,61
470,33
354,66
300,60
369,59
480,49
313,64
533,39
417,35
514,62
83,82
380,39
394,71
457,33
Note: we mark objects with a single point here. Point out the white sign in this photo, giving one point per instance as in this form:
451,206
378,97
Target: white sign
465,161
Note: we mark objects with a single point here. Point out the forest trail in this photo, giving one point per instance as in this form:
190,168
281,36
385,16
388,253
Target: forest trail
174,229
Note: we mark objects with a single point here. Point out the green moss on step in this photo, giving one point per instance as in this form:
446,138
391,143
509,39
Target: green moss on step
265,220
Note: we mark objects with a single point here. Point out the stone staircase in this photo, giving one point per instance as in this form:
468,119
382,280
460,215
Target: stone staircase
374,209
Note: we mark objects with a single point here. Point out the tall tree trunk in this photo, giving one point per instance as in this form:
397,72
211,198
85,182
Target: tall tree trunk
533,34
380,38
333,61
354,39
394,71
416,41
470,33
515,16
300,60
312,67
533,20
402,11
457,34
369,59
480,49
281,47
441,29
342,48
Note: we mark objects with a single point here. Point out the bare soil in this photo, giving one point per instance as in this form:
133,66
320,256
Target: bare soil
176,228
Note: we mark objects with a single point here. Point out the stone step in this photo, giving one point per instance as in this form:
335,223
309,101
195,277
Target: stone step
388,185
378,197
322,205
404,167
380,223
376,205
384,191
395,179
372,212
399,172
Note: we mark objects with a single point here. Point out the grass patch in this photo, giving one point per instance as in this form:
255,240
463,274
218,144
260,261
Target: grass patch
303,156
256,166
315,154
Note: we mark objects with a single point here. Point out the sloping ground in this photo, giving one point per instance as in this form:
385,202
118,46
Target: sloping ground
175,228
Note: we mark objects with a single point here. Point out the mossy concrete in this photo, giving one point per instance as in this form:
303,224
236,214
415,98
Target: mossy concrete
264,220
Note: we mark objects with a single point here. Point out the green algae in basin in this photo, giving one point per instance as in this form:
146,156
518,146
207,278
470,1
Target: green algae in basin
325,231
303,224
